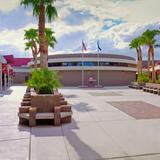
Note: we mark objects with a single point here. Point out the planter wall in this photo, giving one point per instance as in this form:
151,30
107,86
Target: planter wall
44,107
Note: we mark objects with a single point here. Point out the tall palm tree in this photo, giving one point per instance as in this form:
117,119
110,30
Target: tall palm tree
136,43
149,40
31,36
42,9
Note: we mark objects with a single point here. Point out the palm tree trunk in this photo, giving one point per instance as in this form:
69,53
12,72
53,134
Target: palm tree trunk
140,60
42,36
45,56
138,69
149,59
35,61
45,60
35,53
153,65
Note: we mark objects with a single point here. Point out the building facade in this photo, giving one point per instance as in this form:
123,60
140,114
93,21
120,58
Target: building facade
93,69
6,72
2,61
21,70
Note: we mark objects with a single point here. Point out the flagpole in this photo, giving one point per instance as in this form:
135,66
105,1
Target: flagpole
98,78
82,65
98,69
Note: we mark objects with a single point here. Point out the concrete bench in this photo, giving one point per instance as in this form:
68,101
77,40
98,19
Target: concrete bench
46,107
152,88
136,85
45,115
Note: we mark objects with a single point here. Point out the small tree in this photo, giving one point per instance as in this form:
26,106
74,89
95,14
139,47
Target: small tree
31,36
136,43
32,43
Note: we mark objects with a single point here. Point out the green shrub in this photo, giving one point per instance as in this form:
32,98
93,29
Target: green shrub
143,77
158,80
44,81
45,89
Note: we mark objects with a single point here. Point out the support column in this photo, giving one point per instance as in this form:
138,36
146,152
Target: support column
11,80
8,81
1,76
5,82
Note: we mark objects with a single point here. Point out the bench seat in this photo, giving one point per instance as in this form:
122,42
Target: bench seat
44,115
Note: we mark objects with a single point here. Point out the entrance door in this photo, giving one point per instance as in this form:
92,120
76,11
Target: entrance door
90,78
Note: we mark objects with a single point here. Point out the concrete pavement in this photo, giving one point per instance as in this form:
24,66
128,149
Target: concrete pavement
98,130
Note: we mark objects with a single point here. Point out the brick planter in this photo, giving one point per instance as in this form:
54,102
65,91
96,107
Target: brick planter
46,106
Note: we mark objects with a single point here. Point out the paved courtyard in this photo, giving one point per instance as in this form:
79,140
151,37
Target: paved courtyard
103,128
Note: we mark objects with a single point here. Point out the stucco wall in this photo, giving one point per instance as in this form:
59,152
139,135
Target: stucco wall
116,78
107,78
0,76
70,78
20,78
74,78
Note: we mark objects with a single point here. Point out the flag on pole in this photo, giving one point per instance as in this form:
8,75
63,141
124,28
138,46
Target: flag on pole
84,47
98,46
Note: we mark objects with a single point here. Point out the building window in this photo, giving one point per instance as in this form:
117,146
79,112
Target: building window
70,64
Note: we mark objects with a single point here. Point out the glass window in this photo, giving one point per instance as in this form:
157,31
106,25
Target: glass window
58,64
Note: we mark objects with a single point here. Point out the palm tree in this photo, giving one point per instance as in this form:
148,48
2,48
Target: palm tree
136,44
42,9
50,39
31,36
149,39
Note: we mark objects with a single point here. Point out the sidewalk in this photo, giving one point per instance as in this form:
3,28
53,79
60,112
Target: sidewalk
99,131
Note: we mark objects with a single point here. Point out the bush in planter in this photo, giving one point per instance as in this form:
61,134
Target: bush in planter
158,80
143,77
44,81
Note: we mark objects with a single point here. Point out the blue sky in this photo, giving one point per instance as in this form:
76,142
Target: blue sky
113,22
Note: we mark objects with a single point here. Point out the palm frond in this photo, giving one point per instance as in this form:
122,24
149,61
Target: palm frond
51,12
49,34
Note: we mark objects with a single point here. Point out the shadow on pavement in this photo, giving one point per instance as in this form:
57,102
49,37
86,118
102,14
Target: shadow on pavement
68,132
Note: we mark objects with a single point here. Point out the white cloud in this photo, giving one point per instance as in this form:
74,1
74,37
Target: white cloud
8,5
138,15
14,38
29,13
132,11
